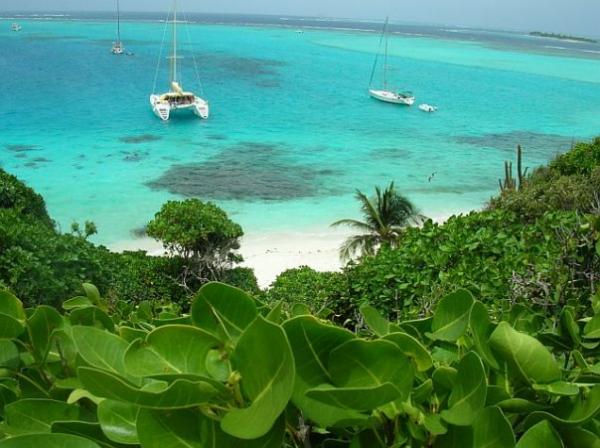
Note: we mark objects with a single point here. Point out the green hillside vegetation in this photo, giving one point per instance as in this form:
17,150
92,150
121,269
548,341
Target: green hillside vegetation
482,331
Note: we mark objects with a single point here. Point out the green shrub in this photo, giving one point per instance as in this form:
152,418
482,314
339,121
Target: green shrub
581,159
235,375
317,290
242,278
15,195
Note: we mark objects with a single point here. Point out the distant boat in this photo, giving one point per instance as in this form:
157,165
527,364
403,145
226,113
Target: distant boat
15,27
428,108
176,98
385,94
117,47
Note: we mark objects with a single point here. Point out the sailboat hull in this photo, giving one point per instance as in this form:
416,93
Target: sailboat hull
163,108
393,98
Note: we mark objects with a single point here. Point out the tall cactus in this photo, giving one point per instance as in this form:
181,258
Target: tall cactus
510,183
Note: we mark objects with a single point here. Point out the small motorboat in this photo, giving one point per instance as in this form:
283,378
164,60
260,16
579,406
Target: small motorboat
15,27
428,108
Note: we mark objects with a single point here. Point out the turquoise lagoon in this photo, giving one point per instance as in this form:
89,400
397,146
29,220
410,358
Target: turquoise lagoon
292,132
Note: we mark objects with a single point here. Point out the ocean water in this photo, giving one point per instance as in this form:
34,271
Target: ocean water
293,132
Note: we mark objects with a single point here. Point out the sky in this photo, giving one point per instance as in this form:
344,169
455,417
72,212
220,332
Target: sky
581,17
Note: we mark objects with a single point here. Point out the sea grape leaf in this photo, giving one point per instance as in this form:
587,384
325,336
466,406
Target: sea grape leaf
451,317
560,388
574,436
525,356
481,329
42,324
364,398
467,398
101,349
520,406
92,316
189,428
541,435
375,321
131,334
412,348
12,315
36,415
48,441
492,429
87,430
570,411
264,359
312,341
92,293
569,325
300,309
444,379
9,355
180,394
591,330
118,421
172,349
223,311
359,363
76,302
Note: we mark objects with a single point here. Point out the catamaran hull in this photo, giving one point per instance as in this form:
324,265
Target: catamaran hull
391,97
163,109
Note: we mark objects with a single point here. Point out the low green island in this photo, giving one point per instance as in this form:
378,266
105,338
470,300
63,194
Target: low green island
563,37
480,331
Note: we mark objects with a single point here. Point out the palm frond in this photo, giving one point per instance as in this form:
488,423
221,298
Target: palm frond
359,225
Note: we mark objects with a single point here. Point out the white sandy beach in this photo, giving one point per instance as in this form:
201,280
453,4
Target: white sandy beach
270,254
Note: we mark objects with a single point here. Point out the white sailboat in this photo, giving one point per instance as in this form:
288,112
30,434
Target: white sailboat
176,98
117,47
15,27
385,94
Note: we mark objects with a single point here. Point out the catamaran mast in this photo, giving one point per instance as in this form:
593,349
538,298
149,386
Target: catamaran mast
174,56
118,23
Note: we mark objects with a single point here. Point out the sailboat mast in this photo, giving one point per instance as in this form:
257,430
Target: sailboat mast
174,60
118,23
385,61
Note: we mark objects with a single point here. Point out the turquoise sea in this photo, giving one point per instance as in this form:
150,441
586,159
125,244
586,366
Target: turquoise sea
293,132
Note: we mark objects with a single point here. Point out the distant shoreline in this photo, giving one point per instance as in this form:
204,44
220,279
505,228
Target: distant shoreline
563,37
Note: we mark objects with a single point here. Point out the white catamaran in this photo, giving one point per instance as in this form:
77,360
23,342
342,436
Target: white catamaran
176,98
117,47
384,94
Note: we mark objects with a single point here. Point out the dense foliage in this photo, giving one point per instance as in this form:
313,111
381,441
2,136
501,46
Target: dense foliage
235,373
42,265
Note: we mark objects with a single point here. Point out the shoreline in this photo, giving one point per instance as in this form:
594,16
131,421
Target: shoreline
271,253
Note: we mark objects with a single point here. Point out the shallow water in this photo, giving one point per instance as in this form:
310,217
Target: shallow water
292,132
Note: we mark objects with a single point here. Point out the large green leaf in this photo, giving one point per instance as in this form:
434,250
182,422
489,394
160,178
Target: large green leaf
189,428
375,321
577,437
491,429
9,354
92,316
592,328
525,356
172,349
359,363
47,441
467,398
541,435
364,398
570,411
101,349
12,315
41,325
412,348
264,359
223,311
481,329
311,342
118,421
87,430
451,317
180,394
35,415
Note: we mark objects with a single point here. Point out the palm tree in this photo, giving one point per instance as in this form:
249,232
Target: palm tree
385,217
